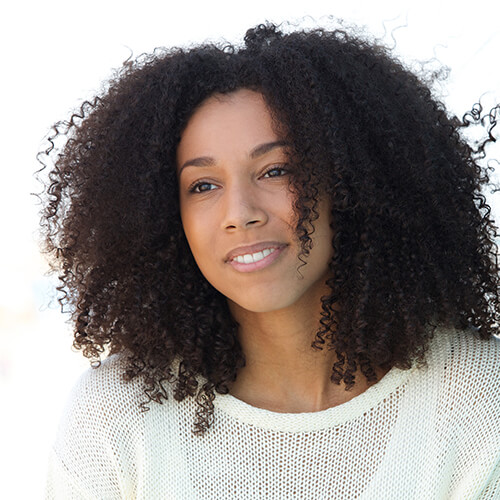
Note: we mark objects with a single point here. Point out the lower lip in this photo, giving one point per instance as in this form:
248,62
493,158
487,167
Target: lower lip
255,266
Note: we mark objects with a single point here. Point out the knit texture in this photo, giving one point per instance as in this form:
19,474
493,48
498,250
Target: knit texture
424,433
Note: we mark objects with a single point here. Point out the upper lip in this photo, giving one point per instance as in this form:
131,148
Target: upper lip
256,247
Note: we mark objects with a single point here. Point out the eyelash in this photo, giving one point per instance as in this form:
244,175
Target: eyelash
277,167
193,187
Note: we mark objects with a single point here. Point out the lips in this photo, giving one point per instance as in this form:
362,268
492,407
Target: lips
249,249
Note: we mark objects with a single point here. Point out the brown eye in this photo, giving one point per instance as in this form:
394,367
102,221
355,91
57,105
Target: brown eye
276,171
200,187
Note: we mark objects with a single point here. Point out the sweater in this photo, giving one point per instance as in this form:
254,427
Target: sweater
429,432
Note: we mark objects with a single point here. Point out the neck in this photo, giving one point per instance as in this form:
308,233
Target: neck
283,373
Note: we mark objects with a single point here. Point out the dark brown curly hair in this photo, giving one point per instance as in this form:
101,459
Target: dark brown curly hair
414,243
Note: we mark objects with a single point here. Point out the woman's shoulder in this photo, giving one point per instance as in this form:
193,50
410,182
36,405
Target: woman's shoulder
467,369
472,357
101,435
103,391
100,404
106,407
108,375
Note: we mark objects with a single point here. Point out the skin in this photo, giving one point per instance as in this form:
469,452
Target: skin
230,198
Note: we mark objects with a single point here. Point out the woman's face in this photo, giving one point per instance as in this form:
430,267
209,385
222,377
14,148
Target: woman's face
236,207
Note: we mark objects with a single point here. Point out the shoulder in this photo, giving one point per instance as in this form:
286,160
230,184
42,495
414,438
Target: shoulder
461,380
467,374
467,410
473,361
100,434
103,395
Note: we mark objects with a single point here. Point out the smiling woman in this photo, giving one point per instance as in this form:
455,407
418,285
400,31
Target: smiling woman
286,245
246,211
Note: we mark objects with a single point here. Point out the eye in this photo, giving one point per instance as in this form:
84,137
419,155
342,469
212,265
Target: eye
201,187
276,171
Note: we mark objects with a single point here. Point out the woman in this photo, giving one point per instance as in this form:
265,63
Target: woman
285,245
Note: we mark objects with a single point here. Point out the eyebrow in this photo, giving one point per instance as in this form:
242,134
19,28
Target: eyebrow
257,151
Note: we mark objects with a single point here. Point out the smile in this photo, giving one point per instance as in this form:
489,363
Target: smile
250,262
253,257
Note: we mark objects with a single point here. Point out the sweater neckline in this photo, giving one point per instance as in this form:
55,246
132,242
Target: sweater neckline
314,421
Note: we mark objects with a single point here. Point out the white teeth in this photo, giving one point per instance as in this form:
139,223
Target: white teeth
253,257
257,256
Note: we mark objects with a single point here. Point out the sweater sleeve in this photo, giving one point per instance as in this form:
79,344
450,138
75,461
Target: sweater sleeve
98,440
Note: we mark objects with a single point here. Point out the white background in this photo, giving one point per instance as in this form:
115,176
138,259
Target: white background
55,54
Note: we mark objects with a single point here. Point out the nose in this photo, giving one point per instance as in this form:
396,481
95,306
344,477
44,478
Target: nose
242,208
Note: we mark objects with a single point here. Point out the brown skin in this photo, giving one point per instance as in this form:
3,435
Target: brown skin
244,200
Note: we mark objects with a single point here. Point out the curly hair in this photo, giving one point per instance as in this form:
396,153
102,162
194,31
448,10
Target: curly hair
413,238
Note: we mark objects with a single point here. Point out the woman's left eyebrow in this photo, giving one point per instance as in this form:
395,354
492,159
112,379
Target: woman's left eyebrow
262,149
256,152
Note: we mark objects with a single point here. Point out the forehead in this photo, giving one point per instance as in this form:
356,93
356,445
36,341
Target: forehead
225,124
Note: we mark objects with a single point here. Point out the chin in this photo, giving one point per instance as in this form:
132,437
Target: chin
260,305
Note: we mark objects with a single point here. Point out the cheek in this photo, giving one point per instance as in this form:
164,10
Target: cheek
192,232
199,234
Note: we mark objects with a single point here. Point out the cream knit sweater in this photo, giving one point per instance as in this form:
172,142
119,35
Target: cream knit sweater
429,433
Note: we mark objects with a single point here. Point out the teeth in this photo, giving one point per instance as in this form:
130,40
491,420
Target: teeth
253,257
258,256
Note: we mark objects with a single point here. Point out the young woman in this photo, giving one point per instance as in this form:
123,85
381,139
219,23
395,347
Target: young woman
284,249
